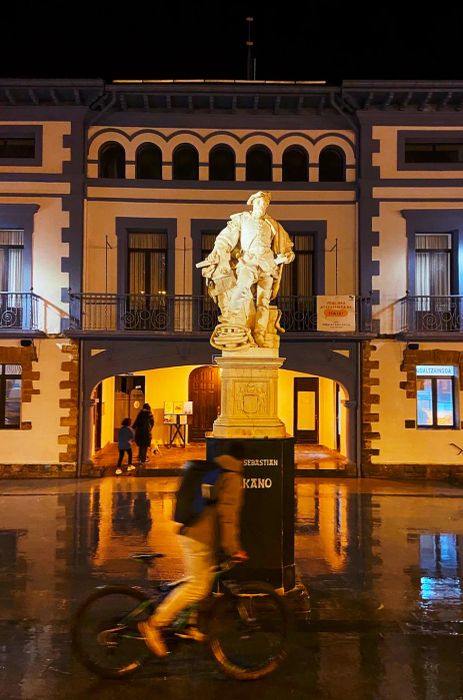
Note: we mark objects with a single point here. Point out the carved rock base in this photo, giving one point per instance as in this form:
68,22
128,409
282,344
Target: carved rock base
249,395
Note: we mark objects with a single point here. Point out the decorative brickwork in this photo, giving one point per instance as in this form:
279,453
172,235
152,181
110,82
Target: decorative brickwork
452,473
370,402
17,355
411,358
70,389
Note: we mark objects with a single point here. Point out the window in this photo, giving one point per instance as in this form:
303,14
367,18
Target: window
185,163
148,162
435,396
259,164
331,165
11,277
147,282
297,286
11,260
207,308
17,147
112,161
148,263
222,164
10,396
435,308
433,152
297,278
295,165
433,263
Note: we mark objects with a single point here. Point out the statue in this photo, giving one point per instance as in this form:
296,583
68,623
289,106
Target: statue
243,273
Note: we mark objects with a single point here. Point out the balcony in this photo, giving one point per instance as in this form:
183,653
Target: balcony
159,314
429,315
22,312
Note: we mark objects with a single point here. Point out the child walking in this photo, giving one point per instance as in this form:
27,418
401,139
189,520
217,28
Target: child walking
124,441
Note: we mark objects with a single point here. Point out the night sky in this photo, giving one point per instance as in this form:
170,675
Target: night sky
298,41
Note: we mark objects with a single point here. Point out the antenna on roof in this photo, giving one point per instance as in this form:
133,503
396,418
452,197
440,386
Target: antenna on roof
250,63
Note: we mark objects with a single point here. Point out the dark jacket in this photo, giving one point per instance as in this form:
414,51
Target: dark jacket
125,436
220,524
143,425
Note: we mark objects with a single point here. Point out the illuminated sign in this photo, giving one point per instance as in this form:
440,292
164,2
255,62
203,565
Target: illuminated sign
435,371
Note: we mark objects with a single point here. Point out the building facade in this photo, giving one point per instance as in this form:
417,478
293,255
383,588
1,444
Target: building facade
109,196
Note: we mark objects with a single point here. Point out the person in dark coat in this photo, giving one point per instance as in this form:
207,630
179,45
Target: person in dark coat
143,425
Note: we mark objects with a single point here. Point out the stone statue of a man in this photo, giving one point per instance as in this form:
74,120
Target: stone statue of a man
243,272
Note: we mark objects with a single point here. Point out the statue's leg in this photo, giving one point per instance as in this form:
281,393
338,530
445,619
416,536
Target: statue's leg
240,301
264,291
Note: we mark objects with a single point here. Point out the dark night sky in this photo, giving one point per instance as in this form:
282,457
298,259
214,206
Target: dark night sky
331,42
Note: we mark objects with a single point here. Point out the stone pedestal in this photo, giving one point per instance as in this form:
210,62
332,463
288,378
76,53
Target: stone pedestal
249,402
267,520
249,395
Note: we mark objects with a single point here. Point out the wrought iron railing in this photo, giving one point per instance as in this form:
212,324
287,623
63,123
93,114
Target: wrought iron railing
22,311
429,314
142,312
187,314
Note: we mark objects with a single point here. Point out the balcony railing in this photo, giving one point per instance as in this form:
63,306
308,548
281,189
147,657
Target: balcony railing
429,314
20,311
185,314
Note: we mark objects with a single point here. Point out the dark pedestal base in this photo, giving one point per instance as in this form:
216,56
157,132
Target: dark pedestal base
267,521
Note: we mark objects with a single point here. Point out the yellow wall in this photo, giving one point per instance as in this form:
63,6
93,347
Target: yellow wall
171,384
397,444
54,154
107,419
40,444
101,221
392,281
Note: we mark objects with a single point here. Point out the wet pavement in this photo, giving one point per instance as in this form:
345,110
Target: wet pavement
310,459
382,562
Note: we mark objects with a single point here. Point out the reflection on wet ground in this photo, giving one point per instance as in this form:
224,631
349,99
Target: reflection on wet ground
382,561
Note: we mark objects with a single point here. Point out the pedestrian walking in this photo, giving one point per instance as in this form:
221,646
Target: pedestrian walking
143,425
124,443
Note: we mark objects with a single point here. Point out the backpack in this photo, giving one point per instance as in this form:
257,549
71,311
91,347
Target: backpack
197,490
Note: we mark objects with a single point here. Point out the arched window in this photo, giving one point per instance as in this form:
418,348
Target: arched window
295,165
186,163
148,162
111,160
221,163
259,164
331,165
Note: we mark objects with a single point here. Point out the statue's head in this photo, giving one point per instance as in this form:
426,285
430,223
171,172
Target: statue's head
265,196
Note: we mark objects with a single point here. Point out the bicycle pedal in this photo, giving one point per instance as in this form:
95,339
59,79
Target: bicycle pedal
192,633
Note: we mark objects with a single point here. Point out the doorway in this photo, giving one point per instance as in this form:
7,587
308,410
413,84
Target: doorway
204,391
129,397
306,409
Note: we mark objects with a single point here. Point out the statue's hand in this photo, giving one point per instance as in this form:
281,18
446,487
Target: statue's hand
282,259
213,258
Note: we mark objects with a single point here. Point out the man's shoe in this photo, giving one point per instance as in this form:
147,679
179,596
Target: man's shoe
131,468
153,639
192,632
118,472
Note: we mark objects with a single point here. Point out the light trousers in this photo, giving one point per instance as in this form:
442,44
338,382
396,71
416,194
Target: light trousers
200,569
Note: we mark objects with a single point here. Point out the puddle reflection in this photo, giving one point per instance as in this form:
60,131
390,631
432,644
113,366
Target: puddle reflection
374,562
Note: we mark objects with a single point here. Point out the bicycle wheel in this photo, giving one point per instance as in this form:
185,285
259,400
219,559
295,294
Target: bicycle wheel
248,629
105,635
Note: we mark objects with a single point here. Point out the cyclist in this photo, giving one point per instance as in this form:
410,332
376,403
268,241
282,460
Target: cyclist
218,525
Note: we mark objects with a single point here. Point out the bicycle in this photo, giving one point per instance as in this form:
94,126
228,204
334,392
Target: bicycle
245,625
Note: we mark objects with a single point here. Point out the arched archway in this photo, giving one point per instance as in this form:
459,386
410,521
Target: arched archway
222,164
259,164
185,163
295,165
148,162
111,160
332,165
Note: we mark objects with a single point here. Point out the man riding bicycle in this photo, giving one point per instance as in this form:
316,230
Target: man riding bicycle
218,526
